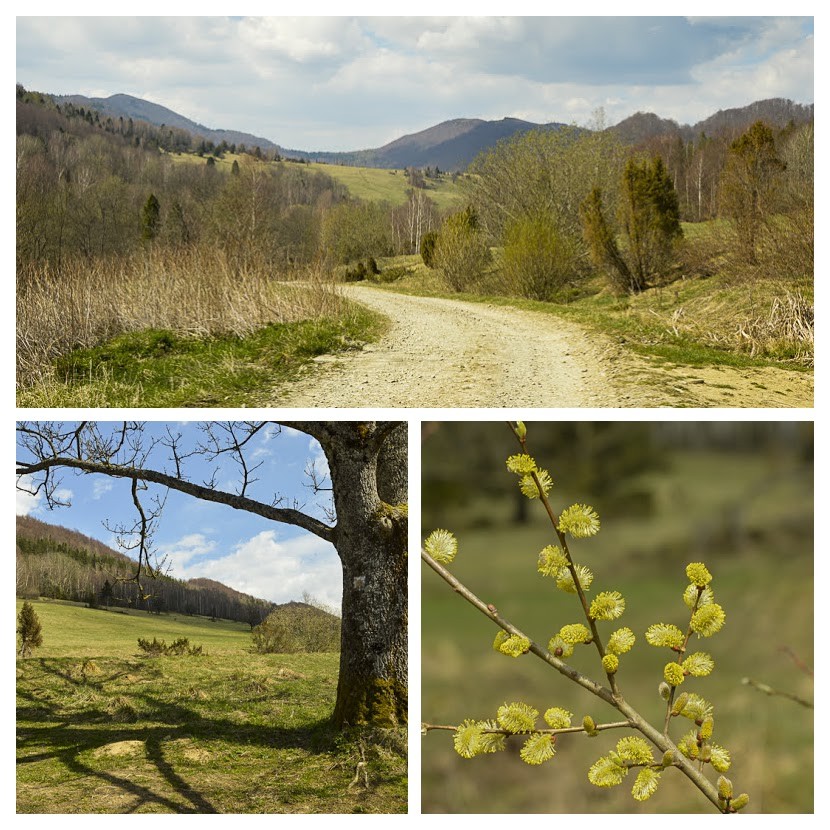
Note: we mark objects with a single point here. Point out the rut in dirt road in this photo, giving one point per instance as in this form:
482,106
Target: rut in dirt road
449,353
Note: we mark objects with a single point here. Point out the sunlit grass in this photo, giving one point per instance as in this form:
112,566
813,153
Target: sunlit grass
102,728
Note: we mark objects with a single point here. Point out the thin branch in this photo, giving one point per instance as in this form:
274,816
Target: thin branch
599,727
768,690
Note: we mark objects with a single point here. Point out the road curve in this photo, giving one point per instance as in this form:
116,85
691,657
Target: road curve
450,353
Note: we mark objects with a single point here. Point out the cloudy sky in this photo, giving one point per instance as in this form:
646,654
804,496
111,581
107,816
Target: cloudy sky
346,83
259,557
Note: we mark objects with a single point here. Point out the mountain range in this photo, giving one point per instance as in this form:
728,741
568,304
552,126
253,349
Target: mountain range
450,145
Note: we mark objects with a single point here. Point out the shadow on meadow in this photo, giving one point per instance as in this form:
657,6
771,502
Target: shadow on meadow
125,736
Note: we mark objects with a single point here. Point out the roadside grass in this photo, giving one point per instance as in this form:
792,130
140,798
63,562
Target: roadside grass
735,517
174,329
161,369
102,728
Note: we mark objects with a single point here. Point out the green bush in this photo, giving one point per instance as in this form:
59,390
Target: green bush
297,627
461,252
539,260
177,648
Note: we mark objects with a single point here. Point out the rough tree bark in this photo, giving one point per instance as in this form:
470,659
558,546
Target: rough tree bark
368,467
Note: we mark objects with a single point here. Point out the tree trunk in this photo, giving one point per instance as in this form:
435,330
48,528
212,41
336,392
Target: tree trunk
370,492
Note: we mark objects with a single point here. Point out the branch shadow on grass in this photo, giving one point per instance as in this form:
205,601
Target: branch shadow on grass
76,734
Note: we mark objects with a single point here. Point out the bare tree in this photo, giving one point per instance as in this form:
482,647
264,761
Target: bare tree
368,525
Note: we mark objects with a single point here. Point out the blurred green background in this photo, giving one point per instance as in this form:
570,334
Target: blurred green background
735,495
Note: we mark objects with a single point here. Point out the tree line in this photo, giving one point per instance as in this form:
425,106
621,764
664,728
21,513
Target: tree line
562,205
92,187
55,563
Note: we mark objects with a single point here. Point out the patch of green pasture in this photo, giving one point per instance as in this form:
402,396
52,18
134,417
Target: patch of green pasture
102,728
71,629
159,368
380,185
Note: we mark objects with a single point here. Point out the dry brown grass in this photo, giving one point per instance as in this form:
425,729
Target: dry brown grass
194,293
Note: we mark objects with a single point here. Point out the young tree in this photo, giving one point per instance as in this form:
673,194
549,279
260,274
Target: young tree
368,528
649,217
748,184
28,627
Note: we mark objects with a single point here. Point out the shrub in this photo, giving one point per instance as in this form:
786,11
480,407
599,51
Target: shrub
297,627
177,648
461,252
538,259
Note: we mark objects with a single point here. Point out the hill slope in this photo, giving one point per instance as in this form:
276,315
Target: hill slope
127,106
60,563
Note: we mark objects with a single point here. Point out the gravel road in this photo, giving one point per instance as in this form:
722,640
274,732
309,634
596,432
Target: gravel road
449,353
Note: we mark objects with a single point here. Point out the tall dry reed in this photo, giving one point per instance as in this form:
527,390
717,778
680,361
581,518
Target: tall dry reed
195,293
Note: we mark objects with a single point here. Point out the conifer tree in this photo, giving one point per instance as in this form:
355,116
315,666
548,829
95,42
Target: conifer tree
649,219
29,630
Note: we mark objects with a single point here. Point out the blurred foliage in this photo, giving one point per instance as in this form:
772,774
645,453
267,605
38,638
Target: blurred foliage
738,496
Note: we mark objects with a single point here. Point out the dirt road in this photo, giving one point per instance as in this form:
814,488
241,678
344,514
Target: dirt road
449,353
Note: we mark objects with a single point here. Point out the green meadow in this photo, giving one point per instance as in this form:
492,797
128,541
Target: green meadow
103,728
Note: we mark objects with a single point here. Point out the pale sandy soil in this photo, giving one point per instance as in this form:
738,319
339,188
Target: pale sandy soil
449,353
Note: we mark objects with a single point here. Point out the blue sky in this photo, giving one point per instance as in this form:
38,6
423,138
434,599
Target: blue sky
346,83
269,560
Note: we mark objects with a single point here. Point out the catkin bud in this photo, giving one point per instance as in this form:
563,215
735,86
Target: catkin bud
740,802
589,726
668,759
664,690
520,429
680,703
707,728
724,788
610,663
705,753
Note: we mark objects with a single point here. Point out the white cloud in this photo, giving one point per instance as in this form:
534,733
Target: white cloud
26,503
181,553
276,569
346,83
101,486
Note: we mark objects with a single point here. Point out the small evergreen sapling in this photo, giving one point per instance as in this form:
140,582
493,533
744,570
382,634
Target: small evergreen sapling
651,752
29,630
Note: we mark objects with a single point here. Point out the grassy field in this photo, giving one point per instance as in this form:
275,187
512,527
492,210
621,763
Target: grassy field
368,183
376,185
749,519
103,729
212,337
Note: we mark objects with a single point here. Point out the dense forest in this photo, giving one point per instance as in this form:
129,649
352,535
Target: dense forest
63,564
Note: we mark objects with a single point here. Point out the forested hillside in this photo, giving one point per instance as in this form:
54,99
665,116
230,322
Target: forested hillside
59,563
